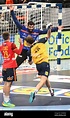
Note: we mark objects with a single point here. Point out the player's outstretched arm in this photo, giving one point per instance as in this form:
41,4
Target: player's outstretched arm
60,27
49,33
54,29
18,24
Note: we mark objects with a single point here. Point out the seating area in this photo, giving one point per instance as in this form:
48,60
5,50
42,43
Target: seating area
66,3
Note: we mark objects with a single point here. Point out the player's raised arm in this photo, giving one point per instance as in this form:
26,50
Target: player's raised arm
57,28
53,29
15,49
49,31
19,26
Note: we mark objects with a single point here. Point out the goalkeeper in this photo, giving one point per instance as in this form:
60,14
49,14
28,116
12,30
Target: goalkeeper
25,31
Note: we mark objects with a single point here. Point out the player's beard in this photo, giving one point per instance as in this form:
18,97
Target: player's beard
30,31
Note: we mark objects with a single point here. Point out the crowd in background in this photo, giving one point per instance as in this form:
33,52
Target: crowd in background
26,1
21,1
65,3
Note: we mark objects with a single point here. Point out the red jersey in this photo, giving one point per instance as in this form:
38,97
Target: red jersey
8,50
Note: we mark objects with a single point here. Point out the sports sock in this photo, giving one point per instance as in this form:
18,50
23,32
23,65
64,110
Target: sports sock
36,91
6,98
50,89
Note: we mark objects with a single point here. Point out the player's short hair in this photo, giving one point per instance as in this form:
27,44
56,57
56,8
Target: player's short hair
5,35
29,39
31,23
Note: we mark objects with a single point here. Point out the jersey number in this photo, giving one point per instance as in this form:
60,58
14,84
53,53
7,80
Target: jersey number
37,49
6,55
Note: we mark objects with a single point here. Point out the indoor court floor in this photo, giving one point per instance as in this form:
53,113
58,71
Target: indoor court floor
27,80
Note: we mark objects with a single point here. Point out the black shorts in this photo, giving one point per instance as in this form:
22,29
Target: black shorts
9,75
22,57
43,69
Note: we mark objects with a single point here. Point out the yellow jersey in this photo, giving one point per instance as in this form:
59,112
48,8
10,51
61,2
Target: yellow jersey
39,52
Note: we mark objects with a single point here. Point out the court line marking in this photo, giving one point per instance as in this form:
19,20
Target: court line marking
56,78
59,92
32,108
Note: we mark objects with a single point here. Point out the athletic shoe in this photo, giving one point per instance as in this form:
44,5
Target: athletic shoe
32,97
7,104
52,92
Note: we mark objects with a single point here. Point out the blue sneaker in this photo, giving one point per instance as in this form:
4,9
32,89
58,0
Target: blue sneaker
32,97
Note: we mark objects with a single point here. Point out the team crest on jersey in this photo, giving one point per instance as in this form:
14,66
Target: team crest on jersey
46,73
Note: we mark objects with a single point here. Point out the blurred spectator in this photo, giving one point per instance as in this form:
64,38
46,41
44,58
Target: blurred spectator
59,1
18,1
9,2
35,0
14,1
2,1
26,1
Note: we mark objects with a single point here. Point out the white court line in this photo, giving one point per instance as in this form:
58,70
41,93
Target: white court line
40,108
57,91
53,107
56,78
